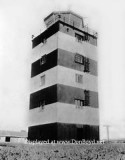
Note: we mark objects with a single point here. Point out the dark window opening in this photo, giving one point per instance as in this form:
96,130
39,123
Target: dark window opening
79,78
86,37
86,65
43,59
79,58
44,40
82,60
67,29
42,80
42,105
87,98
79,38
7,139
79,103
59,16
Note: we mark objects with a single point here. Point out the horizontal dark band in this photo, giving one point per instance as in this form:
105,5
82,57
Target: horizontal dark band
67,59
63,131
62,58
61,93
51,61
62,26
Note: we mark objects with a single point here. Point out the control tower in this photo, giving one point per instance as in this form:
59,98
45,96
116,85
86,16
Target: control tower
64,86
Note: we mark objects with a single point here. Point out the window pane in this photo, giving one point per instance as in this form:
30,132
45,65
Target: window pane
42,80
43,60
79,37
79,103
79,78
86,69
87,97
76,103
79,59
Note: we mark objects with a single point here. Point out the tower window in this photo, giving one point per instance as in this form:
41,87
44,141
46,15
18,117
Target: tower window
82,60
42,80
43,59
86,66
42,105
44,40
87,98
59,16
79,58
79,37
67,29
79,78
87,37
79,103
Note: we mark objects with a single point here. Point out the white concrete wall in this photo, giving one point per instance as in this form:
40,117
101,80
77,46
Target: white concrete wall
65,113
66,76
50,79
70,44
68,113
45,48
48,115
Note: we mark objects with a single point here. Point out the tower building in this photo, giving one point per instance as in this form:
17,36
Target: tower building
64,85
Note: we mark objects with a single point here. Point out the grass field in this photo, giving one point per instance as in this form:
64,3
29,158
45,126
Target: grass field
109,151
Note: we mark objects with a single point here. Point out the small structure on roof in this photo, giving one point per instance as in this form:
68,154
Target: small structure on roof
13,136
65,16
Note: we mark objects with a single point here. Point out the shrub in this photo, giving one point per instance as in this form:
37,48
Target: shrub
11,151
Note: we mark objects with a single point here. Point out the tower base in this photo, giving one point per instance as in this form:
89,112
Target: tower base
63,131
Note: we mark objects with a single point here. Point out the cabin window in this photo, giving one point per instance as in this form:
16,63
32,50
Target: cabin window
79,103
86,64
79,58
87,97
41,105
42,80
43,59
79,78
79,37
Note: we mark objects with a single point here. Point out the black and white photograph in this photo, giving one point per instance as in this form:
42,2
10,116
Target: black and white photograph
62,79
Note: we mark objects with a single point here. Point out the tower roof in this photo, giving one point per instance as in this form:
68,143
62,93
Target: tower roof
65,16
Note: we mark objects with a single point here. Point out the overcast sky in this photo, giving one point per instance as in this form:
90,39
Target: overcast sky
19,19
